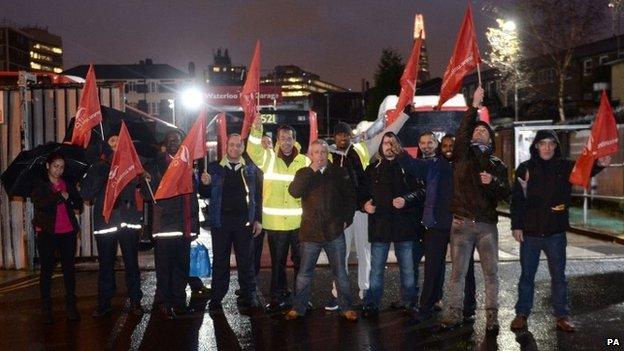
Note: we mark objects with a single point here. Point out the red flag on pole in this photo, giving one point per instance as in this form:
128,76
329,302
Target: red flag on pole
222,133
88,114
125,167
602,141
465,58
408,82
251,89
178,178
313,127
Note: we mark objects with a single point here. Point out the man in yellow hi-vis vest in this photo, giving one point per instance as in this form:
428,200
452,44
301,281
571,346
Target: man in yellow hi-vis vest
281,213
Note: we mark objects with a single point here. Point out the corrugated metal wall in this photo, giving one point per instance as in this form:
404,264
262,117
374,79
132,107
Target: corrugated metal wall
49,110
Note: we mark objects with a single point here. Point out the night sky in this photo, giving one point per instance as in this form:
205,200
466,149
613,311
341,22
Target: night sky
339,40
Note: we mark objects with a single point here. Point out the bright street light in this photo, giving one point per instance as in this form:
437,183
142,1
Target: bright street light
509,26
192,98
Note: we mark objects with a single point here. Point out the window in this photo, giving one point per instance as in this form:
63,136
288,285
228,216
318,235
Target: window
587,67
602,60
152,87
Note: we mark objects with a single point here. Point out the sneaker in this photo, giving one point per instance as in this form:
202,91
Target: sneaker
292,315
332,305
276,306
349,315
237,292
491,322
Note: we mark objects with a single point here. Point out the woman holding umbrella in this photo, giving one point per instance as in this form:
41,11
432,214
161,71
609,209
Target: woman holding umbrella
55,199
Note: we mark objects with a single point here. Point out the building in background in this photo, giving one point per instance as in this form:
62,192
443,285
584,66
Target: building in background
30,49
150,87
222,72
423,63
297,84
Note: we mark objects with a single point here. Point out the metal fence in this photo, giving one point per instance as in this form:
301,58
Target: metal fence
33,116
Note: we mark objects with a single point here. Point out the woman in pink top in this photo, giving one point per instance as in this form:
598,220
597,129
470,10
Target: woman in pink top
55,201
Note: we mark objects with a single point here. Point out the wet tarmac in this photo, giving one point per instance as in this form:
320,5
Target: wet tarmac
596,294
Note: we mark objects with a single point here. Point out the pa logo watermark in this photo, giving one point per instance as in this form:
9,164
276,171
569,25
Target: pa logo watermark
612,342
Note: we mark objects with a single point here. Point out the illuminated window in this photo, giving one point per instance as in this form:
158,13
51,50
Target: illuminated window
34,65
57,70
294,80
57,50
216,69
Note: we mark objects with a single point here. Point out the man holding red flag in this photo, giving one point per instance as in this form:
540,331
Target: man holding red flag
88,114
539,212
111,185
251,89
175,215
465,58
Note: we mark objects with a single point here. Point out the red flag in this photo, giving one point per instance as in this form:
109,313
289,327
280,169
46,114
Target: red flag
178,178
125,167
251,89
602,141
222,133
88,114
465,58
313,127
408,82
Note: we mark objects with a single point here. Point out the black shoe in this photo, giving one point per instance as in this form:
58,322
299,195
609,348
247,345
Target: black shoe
101,312
274,307
237,292
332,305
136,308
201,293
398,305
72,313
370,312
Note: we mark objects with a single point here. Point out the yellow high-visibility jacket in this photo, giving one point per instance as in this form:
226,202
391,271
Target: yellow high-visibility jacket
362,151
280,211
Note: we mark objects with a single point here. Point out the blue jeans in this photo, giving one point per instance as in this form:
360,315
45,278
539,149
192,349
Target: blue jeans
379,255
554,246
418,251
310,251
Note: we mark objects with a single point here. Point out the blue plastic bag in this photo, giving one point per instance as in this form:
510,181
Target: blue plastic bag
200,261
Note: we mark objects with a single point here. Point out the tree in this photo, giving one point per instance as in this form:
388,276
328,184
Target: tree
387,81
553,28
506,57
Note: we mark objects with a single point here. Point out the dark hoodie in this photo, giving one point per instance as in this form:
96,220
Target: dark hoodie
385,180
471,199
544,209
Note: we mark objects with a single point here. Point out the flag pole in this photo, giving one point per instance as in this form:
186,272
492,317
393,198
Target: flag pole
149,188
479,72
102,131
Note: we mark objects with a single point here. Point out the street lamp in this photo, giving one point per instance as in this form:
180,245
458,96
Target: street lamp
192,98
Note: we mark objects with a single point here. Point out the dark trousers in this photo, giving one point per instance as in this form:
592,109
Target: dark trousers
49,245
195,283
172,260
223,239
279,243
258,244
418,252
554,246
128,240
436,245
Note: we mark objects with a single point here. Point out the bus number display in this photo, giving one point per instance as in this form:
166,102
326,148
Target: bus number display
268,118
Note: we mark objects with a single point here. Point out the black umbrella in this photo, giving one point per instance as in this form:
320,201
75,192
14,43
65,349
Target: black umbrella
17,179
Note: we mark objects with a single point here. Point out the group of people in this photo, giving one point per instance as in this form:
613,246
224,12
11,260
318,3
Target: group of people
329,199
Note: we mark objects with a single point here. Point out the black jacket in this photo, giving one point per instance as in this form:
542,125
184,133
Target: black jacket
125,212
177,215
328,201
45,201
471,199
544,209
350,160
386,180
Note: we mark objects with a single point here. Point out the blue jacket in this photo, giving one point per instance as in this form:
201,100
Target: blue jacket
251,178
437,213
